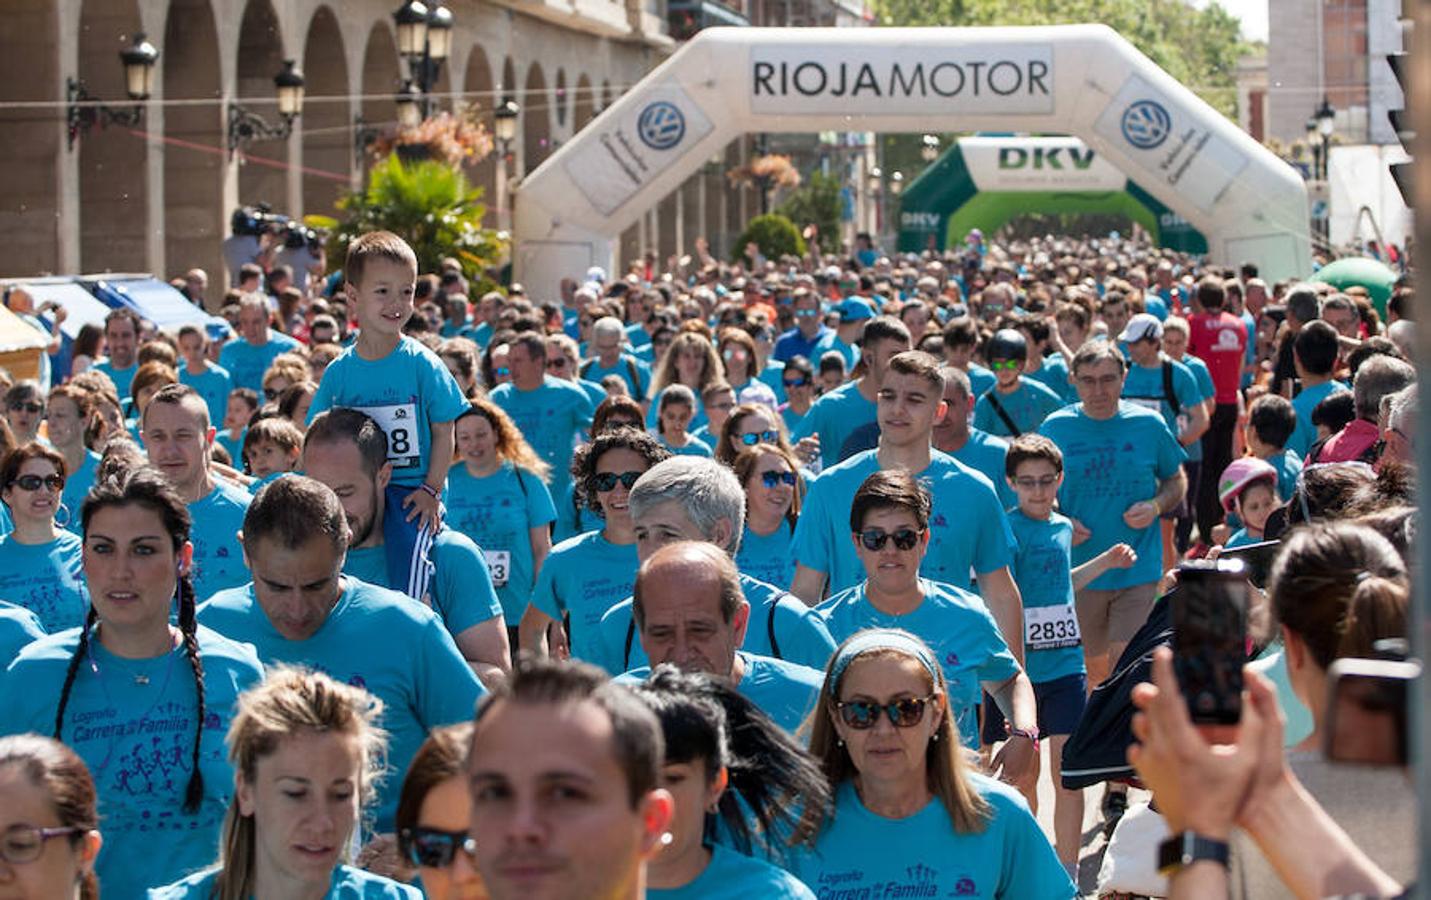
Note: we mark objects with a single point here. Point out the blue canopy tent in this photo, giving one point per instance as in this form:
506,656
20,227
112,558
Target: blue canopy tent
81,309
154,300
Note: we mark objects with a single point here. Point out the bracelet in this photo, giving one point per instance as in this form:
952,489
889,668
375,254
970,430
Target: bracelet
1158,510
1030,733
429,490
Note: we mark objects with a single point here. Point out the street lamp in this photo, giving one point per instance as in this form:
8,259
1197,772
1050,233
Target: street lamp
82,113
929,148
1319,136
424,39
896,183
876,179
504,123
409,105
246,126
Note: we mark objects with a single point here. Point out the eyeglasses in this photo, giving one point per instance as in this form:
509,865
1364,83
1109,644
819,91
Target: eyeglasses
24,843
759,437
906,712
34,482
797,383
19,405
874,539
605,482
1029,484
502,373
733,353
557,363
1011,365
434,849
772,478
806,313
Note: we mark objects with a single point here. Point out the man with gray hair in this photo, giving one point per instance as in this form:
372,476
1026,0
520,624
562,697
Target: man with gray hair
1303,306
1377,377
692,498
608,341
1399,433
247,358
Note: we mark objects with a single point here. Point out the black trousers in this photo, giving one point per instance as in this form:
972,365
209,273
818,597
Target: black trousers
1216,455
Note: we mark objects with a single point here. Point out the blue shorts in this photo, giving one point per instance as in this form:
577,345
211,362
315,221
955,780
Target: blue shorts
1060,706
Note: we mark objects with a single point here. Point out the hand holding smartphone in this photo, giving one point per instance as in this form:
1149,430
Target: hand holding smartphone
1210,638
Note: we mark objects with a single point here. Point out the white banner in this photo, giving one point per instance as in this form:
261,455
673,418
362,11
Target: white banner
808,79
1038,164
630,151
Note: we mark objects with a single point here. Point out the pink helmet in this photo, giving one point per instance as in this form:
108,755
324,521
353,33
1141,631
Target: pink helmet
1237,476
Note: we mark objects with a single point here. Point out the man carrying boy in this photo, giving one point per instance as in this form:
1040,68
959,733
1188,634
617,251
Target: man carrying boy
1016,405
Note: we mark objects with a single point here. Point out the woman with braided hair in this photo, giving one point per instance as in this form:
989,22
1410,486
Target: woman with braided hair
144,703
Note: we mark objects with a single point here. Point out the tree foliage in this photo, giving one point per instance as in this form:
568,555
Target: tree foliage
775,235
1198,47
817,202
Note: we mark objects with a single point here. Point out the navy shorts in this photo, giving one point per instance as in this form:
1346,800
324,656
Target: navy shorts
1060,706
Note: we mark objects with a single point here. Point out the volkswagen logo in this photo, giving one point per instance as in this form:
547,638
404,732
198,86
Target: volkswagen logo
1146,124
661,125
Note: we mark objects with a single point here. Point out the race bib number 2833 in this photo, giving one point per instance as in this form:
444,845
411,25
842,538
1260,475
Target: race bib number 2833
1050,627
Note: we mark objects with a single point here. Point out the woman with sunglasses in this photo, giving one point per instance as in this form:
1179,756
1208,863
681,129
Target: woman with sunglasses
738,354
586,575
564,361
798,380
910,817
144,703
305,750
889,518
24,410
68,419
49,826
433,814
41,566
574,516
773,491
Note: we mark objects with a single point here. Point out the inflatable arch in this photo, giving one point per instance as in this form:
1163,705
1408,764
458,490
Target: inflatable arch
983,182
1083,80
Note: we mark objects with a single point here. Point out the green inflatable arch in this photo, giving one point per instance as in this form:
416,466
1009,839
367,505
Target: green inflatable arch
985,182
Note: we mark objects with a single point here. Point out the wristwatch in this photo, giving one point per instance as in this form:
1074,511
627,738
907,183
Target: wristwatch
1188,847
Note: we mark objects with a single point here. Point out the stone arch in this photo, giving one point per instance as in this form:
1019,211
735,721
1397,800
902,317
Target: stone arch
29,72
113,162
380,81
585,103
326,120
536,119
480,95
262,177
195,221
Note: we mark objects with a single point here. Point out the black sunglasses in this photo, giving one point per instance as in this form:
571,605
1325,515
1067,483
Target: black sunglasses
434,849
606,481
27,407
874,539
33,482
758,437
904,713
771,479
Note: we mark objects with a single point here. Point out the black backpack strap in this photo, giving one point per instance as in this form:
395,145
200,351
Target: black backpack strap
586,367
1168,394
1003,414
770,626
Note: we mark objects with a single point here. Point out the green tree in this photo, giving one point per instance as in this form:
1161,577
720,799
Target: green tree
775,235
817,202
1198,47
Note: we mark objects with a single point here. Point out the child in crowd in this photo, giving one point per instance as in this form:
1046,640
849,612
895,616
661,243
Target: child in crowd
718,399
242,404
1016,405
1248,488
271,448
1270,423
676,409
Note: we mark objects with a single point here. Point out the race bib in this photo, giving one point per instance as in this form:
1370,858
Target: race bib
1050,627
399,423
499,566
1153,403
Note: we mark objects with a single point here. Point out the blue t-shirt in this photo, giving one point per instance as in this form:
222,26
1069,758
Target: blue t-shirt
633,371
1240,538
1305,434
862,854
784,691
213,385
498,512
954,623
1043,570
1206,389
800,635
77,485
849,352
405,392
123,378
138,741
1143,387
552,418
460,590
374,639
583,577
18,627
833,417
573,516
246,363
1053,374
768,557
968,530
980,380
1027,405
218,556
47,579
348,884
791,417
1289,468
699,419
234,445
1108,466
694,447
734,876
985,454
794,343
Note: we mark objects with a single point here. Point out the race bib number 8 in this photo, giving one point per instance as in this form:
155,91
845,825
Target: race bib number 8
1050,627
399,423
499,566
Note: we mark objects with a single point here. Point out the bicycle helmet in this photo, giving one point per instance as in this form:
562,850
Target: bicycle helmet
1241,473
1007,343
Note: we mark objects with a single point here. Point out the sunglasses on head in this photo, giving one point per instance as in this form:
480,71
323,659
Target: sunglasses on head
772,478
874,539
796,383
433,849
34,482
606,481
903,713
759,437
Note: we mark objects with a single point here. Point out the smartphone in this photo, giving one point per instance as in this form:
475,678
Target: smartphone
1257,558
1210,638
1368,701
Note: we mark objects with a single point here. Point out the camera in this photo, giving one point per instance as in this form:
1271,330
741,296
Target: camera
259,219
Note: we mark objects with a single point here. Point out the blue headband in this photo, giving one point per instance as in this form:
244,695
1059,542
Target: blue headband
885,639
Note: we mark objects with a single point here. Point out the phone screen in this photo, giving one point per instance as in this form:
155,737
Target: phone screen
1210,638
1367,711
1258,559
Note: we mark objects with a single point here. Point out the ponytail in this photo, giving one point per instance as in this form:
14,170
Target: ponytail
188,626
81,651
1378,610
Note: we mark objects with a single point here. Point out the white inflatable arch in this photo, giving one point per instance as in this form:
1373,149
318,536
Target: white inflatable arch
1083,80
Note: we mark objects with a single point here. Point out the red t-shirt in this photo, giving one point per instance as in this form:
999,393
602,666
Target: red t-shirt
1220,341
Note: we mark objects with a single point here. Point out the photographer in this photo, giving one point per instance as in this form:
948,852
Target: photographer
21,303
